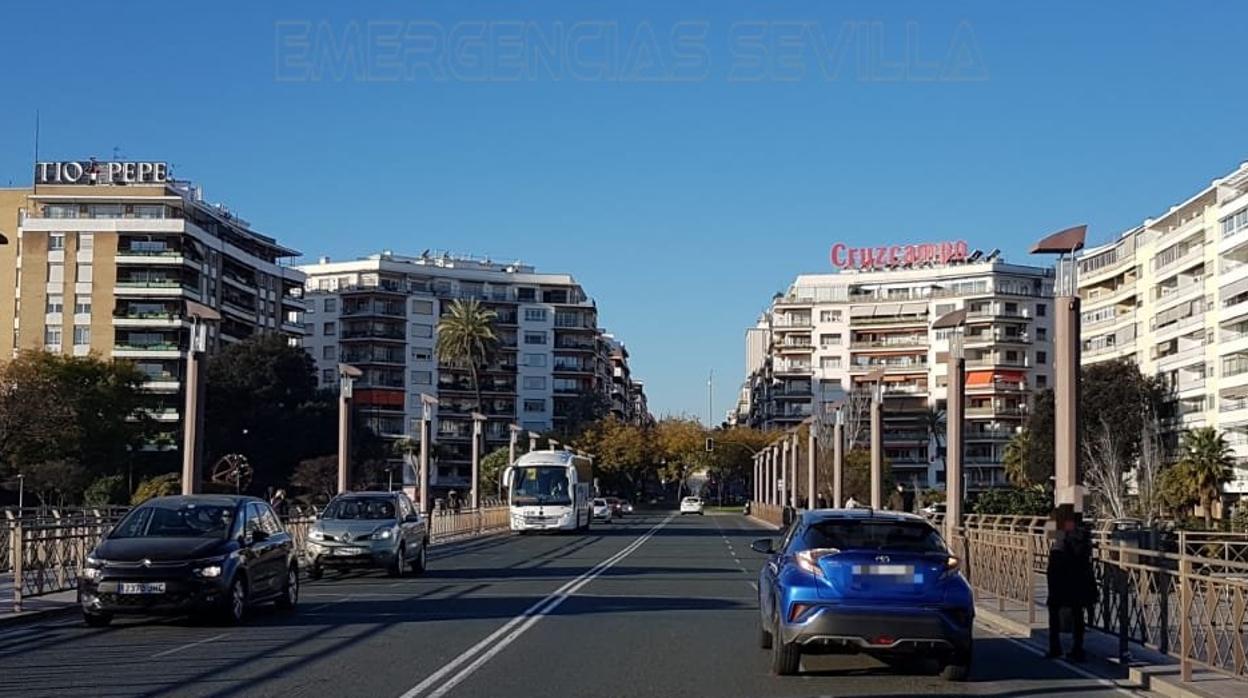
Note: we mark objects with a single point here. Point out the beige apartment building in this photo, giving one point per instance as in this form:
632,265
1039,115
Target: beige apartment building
1172,295
101,258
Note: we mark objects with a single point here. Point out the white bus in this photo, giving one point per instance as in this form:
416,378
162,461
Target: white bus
550,491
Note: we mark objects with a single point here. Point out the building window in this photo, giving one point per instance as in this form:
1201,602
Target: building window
327,376
1042,334
829,362
534,405
56,304
1042,381
535,314
329,352
82,305
526,295
534,337
52,337
535,382
535,360
943,309
421,330
331,305
422,307
86,241
419,354
82,335
422,377
86,273
329,329
1041,309
830,340
56,273
56,241
829,316
1042,358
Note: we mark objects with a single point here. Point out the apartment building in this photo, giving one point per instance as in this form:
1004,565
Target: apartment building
628,396
103,256
1171,294
828,333
380,313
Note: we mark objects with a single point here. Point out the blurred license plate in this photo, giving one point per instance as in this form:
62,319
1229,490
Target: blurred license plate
141,588
885,570
349,551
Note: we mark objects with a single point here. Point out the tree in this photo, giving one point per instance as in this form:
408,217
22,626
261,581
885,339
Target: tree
37,419
932,422
158,486
56,482
466,338
857,411
622,451
1208,460
492,467
732,461
580,412
1017,459
1104,470
317,478
1027,501
856,481
1174,492
681,443
110,490
1148,471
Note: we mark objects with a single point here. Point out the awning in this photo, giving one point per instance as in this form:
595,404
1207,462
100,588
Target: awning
914,308
888,310
861,311
974,378
1233,289
1011,376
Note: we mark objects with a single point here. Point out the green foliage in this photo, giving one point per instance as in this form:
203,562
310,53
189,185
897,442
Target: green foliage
622,451
1239,520
1029,501
1017,459
856,480
580,413
316,479
1206,461
466,338
492,467
110,490
158,486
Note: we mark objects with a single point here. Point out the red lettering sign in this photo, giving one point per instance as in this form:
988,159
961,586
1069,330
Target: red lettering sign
845,257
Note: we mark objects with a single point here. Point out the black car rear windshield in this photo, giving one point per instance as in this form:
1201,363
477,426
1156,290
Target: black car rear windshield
366,508
899,536
181,520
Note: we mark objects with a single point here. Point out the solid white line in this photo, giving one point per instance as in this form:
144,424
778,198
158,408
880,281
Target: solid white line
1107,683
189,645
526,619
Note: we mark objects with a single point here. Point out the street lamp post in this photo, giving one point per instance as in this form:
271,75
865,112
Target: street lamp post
812,442
1066,359
793,442
427,404
192,444
478,420
877,438
954,410
838,458
21,494
346,385
533,437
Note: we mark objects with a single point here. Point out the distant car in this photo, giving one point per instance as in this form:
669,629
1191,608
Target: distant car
368,529
617,506
864,581
212,555
602,509
690,505
626,506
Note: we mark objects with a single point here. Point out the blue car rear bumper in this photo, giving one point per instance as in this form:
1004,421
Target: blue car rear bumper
827,627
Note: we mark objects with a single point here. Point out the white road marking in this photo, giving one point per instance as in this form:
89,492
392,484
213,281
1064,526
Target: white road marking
755,585
189,645
517,626
1107,683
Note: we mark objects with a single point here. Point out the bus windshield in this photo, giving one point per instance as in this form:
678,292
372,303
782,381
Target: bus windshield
540,485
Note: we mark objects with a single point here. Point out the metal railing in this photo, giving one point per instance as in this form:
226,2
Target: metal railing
770,513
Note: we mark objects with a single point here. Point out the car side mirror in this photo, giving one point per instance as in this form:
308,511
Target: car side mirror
763,545
259,536
411,518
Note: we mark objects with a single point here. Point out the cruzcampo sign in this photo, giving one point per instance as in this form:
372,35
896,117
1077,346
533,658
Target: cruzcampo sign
93,172
889,256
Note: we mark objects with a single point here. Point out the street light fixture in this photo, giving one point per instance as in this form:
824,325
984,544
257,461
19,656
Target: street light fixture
199,315
478,420
876,376
347,374
533,437
955,404
427,404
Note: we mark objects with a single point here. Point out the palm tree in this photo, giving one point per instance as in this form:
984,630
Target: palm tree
1017,453
466,337
1208,460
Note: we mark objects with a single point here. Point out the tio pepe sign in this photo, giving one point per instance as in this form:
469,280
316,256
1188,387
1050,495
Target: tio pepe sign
92,172
887,256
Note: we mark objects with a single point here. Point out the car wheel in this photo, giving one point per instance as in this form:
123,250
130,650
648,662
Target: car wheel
290,591
396,567
235,602
958,667
97,620
421,563
786,657
315,572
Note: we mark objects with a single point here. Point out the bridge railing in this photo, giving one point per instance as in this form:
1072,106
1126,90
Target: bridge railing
769,513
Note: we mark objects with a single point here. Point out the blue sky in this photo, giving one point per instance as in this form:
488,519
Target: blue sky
683,161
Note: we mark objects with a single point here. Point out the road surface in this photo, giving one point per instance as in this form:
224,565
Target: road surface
653,605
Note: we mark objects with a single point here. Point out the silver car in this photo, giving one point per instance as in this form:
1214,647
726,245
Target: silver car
368,529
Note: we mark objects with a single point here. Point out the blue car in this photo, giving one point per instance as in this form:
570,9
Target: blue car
848,581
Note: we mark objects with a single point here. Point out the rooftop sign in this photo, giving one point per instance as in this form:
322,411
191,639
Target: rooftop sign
889,256
94,173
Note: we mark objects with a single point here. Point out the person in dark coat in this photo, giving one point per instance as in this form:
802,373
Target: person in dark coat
1071,582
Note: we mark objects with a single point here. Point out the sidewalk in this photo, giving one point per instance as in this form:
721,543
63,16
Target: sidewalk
1148,669
35,607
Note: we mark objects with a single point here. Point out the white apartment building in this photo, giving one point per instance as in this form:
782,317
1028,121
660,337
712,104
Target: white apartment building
1172,295
380,313
827,332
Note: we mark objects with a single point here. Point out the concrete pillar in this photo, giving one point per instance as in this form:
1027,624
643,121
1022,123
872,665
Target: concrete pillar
877,448
424,459
784,471
344,435
1066,358
474,497
773,481
757,477
838,461
812,500
793,442
954,411
191,416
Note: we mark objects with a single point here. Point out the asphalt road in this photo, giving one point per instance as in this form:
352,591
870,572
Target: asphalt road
655,605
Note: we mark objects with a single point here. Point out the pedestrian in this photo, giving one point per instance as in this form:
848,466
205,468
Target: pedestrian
281,507
453,501
1071,582
851,503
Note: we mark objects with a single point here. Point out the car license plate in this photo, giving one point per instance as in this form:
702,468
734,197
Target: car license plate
136,588
884,570
349,551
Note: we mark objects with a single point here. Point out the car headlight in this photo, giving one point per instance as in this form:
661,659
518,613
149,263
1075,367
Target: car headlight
209,571
316,535
383,534
92,568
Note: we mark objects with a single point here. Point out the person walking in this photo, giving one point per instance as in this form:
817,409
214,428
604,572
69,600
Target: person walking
851,503
1071,582
281,507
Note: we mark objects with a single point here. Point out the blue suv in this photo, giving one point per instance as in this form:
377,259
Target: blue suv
862,581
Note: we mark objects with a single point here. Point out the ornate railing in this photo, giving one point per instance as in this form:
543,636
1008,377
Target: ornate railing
769,513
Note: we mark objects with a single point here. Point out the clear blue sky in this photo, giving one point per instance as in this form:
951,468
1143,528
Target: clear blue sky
683,160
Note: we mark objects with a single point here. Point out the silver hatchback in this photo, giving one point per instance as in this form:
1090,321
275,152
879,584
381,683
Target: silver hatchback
368,529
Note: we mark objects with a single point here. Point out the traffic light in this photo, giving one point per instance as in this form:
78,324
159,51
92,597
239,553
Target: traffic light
710,445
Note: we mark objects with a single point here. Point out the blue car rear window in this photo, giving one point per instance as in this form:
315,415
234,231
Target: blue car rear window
900,536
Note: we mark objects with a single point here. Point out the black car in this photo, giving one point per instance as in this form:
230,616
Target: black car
211,555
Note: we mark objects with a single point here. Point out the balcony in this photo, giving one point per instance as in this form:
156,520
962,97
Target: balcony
891,366
571,346
989,339
982,314
995,411
373,333
998,387
990,362
890,344
374,309
788,367
895,390
572,367
993,435
902,435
